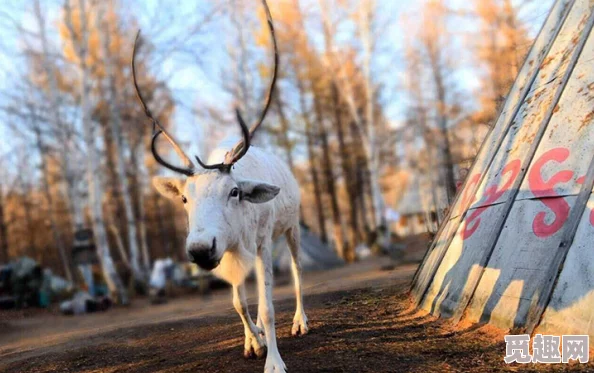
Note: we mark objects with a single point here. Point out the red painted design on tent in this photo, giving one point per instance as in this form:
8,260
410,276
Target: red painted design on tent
541,188
492,194
467,198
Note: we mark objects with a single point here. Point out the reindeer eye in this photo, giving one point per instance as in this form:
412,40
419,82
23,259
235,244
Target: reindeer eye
234,192
184,199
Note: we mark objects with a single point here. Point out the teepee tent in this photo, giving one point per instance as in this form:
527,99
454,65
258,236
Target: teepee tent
517,249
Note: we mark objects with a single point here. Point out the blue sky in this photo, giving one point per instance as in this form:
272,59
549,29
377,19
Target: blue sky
188,78
195,86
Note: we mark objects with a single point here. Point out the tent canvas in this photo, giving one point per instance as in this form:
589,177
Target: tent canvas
516,247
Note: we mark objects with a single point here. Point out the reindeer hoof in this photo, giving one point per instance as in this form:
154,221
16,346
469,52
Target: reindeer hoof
262,352
258,354
299,328
298,332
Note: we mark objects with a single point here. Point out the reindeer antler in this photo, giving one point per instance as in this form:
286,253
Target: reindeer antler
239,150
188,169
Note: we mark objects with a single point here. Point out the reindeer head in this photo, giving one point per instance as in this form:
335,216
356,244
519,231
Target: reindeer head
217,203
218,207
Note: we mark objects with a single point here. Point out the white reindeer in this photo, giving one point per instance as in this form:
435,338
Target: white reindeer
237,207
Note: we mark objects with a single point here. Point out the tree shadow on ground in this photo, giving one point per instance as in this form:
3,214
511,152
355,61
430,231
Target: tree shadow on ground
364,330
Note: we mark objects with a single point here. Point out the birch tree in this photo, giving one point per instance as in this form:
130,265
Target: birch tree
340,240
433,40
45,173
365,124
141,176
115,125
499,54
23,105
313,160
28,207
79,39
418,118
294,46
68,151
4,239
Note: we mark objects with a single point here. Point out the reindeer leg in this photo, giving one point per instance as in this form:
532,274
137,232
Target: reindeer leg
253,346
274,362
300,320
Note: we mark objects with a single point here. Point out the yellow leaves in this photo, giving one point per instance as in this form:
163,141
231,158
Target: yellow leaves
96,29
487,10
498,55
434,15
264,70
73,37
284,13
38,76
68,49
287,18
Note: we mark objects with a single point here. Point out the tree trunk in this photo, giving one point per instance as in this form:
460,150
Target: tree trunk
75,205
450,181
113,209
284,133
160,224
50,204
368,197
313,169
112,278
347,173
240,55
66,134
362,206
309,134
3,231
366,126
360,186
300,41
339,236
146,258
120,244
285,140
442,120
432,171
28,208
118,144
139,177
173,242
365,21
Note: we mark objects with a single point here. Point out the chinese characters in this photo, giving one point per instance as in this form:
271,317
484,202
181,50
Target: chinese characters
546,349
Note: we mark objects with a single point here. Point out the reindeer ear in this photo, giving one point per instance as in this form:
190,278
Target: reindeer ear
169,187
256,191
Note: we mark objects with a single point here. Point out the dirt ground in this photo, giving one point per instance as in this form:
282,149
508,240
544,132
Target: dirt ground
360,321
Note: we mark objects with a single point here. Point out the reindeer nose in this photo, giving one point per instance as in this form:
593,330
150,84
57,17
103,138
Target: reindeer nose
205,256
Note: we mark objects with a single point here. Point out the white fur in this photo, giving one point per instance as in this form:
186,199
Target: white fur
244,234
